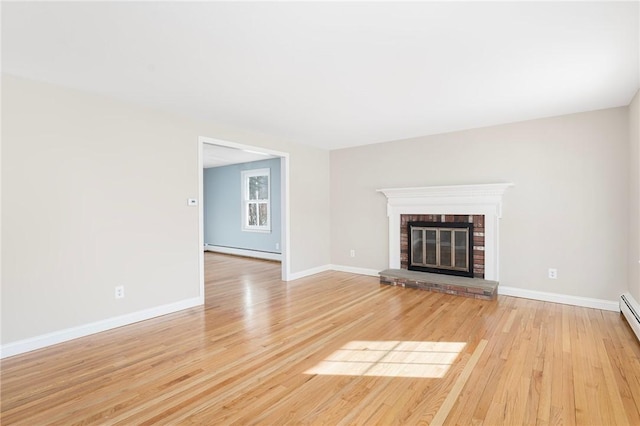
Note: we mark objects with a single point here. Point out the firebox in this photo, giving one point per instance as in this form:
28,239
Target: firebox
441,247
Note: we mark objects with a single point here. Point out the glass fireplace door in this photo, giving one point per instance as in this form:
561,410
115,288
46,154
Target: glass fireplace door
445,248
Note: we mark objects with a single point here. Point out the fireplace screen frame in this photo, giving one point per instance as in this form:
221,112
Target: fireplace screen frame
438,267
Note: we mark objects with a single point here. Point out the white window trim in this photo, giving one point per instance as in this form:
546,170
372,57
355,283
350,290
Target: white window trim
244,176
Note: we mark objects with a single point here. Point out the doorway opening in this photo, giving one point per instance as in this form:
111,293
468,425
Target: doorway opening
221,152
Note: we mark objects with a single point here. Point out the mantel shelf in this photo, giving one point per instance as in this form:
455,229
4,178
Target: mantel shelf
472,191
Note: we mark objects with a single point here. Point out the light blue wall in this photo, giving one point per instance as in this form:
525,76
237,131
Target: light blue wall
223,208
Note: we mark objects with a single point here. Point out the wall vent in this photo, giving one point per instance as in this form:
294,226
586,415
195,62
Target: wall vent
631,311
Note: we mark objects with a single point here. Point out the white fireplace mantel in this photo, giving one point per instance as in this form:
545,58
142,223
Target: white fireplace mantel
482,199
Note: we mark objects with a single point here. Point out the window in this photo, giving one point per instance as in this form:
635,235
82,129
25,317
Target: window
256,208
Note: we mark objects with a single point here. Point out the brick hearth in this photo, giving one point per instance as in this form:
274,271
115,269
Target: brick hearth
460,286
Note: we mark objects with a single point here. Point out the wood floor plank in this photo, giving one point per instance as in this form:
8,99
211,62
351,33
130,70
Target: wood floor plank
334,348
446,406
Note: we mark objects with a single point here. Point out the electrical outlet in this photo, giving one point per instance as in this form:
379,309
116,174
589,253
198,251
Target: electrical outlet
120,292
352,253
553,273
277,246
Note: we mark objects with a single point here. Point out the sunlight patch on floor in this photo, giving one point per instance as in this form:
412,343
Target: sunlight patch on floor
390,359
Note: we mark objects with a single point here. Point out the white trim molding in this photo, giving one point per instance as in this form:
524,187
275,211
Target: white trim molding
356,270
38,342
565,299
338,268
308,272
478,199
243,252
245,176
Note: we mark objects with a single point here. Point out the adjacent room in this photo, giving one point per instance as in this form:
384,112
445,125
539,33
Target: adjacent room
242,200
320,213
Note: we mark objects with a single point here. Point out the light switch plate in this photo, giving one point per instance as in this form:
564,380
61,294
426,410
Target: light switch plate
192,201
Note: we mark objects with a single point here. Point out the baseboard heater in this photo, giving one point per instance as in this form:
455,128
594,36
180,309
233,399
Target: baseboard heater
631,311
244,252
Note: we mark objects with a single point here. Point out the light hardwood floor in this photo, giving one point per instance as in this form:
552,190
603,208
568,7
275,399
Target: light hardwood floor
335,348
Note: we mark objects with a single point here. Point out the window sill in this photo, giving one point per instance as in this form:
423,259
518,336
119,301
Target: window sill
259,231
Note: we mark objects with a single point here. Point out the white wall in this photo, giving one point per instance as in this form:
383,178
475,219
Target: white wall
568,209
94,195
634,197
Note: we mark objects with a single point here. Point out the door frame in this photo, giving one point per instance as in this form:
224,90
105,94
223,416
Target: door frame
285,238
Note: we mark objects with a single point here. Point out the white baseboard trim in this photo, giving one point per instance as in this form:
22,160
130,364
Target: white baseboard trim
38,342
340,268
243,252
586,302
356,270
297,275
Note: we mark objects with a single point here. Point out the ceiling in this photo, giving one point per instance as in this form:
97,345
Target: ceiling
217,156
335,74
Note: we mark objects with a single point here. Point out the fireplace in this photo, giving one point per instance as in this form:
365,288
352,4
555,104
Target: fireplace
445,248
437,256
482,201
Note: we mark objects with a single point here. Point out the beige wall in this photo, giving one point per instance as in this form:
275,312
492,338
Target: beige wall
568,209
634,197
94,195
